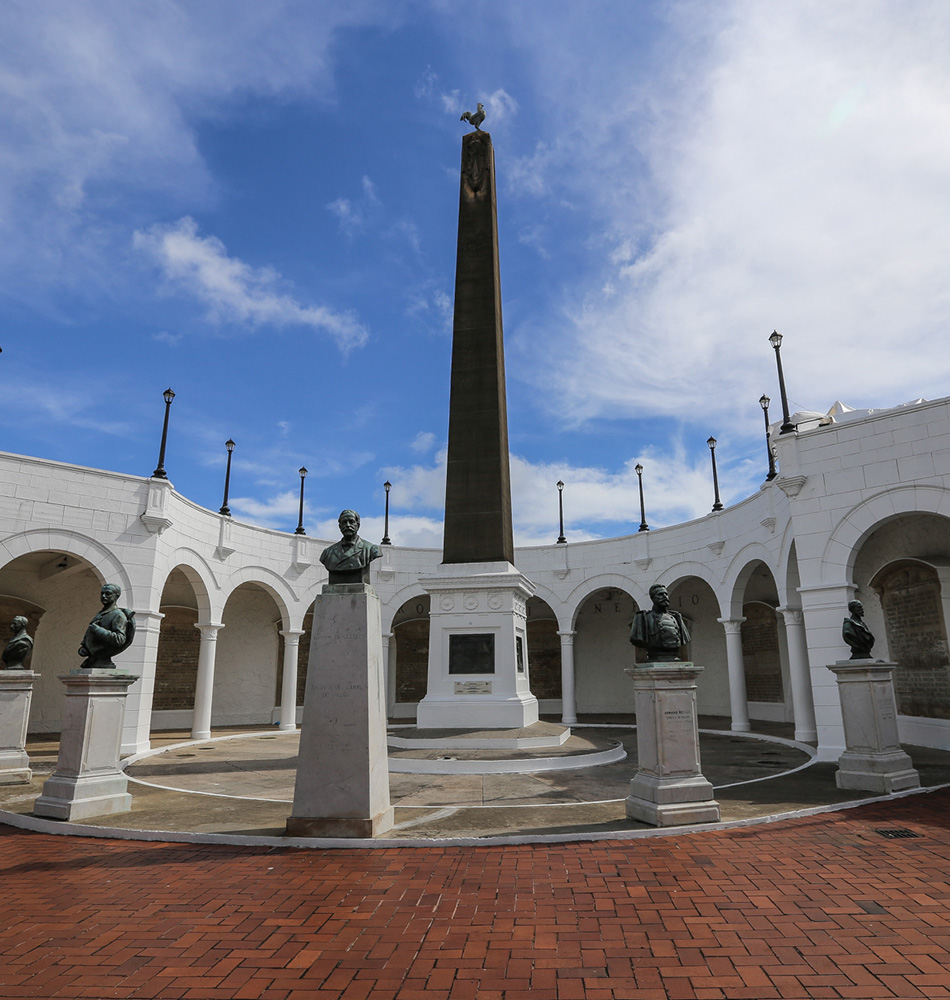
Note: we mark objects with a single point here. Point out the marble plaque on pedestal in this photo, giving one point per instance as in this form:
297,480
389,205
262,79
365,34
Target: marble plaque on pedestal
16,693
669,788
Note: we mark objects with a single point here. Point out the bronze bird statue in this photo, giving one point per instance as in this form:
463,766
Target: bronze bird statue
474,117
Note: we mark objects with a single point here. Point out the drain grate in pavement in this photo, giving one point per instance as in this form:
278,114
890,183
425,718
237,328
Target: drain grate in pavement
896,832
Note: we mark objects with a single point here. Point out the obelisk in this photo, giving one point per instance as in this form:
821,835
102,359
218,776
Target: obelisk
477,485
478,648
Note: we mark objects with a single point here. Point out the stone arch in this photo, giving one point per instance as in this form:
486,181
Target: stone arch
284,597
544,652
200,574
606,581
245,676
101,560
740,572
854,526
409,651
602,649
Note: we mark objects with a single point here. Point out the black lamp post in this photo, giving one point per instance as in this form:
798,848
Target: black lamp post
712,451
159,472
643,517
776,341
560,507
225,509
764,403
303,476
387,486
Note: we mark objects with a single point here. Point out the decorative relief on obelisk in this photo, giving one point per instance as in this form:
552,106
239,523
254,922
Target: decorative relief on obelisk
476,162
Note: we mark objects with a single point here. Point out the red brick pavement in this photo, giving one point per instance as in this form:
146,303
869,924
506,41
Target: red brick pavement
819,907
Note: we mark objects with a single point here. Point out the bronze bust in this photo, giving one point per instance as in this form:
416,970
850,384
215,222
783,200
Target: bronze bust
347,561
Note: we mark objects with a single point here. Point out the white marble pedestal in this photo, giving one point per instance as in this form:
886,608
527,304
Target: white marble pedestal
669,788
16,693
873,760
87,780
342,787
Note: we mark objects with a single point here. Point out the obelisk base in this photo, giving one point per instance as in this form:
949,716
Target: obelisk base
87,780
669,788
873,760
342,787
16,693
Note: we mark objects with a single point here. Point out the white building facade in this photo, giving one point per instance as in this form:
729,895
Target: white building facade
861,509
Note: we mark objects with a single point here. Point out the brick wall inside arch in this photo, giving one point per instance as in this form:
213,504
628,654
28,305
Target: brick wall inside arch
176,667
916,639
760,654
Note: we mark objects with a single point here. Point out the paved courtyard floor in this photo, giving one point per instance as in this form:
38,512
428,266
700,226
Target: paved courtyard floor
851,902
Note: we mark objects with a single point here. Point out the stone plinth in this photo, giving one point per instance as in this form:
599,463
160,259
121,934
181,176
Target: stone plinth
87,780
873,759
342,787
669,788
16,693
478,649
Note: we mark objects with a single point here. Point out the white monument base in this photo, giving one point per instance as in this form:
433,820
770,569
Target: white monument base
478,649
669,788
342,787
16,693
87,780
873,760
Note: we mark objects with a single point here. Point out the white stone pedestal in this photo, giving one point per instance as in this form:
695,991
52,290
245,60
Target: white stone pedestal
16,693
342,787
87,780
478,649
669,788
873,760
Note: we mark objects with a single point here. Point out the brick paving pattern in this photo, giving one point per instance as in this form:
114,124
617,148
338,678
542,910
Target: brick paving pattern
818,907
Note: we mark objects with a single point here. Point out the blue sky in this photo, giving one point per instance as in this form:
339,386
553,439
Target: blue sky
256,204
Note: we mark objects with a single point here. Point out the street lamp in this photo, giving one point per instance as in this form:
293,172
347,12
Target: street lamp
638,468
225,509
712,451
560,506
387,486
303,476
764,403
776,341
159,472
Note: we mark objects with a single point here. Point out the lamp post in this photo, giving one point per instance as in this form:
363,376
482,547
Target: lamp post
638,468
764,403
303,476
717,505
387,486
225,509
159,472
560,507
776,341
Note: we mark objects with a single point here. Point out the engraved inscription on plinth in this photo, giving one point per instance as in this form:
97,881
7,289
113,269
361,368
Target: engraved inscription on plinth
16,692
87,780
669,788
873,759
342,786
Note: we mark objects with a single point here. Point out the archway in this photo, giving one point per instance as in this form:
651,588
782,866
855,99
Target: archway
176,665
601,651
696,601
544,655
410,655
58,593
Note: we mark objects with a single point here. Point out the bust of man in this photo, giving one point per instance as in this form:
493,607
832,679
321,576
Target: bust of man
109,633
856,634
347,561
19,647
660,632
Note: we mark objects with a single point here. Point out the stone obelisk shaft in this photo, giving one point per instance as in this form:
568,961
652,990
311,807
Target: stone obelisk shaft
478,488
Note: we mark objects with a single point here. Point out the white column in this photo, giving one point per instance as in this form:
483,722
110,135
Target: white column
389,666
799,674
288,684
140,659
204,686
568,702
738,701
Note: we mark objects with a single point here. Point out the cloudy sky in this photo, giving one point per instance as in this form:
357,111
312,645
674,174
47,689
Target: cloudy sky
256,205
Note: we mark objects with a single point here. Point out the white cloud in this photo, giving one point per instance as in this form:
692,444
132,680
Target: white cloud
235,291
795,162
423,442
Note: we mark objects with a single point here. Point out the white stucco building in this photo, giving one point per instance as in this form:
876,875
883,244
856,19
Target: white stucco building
861,508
